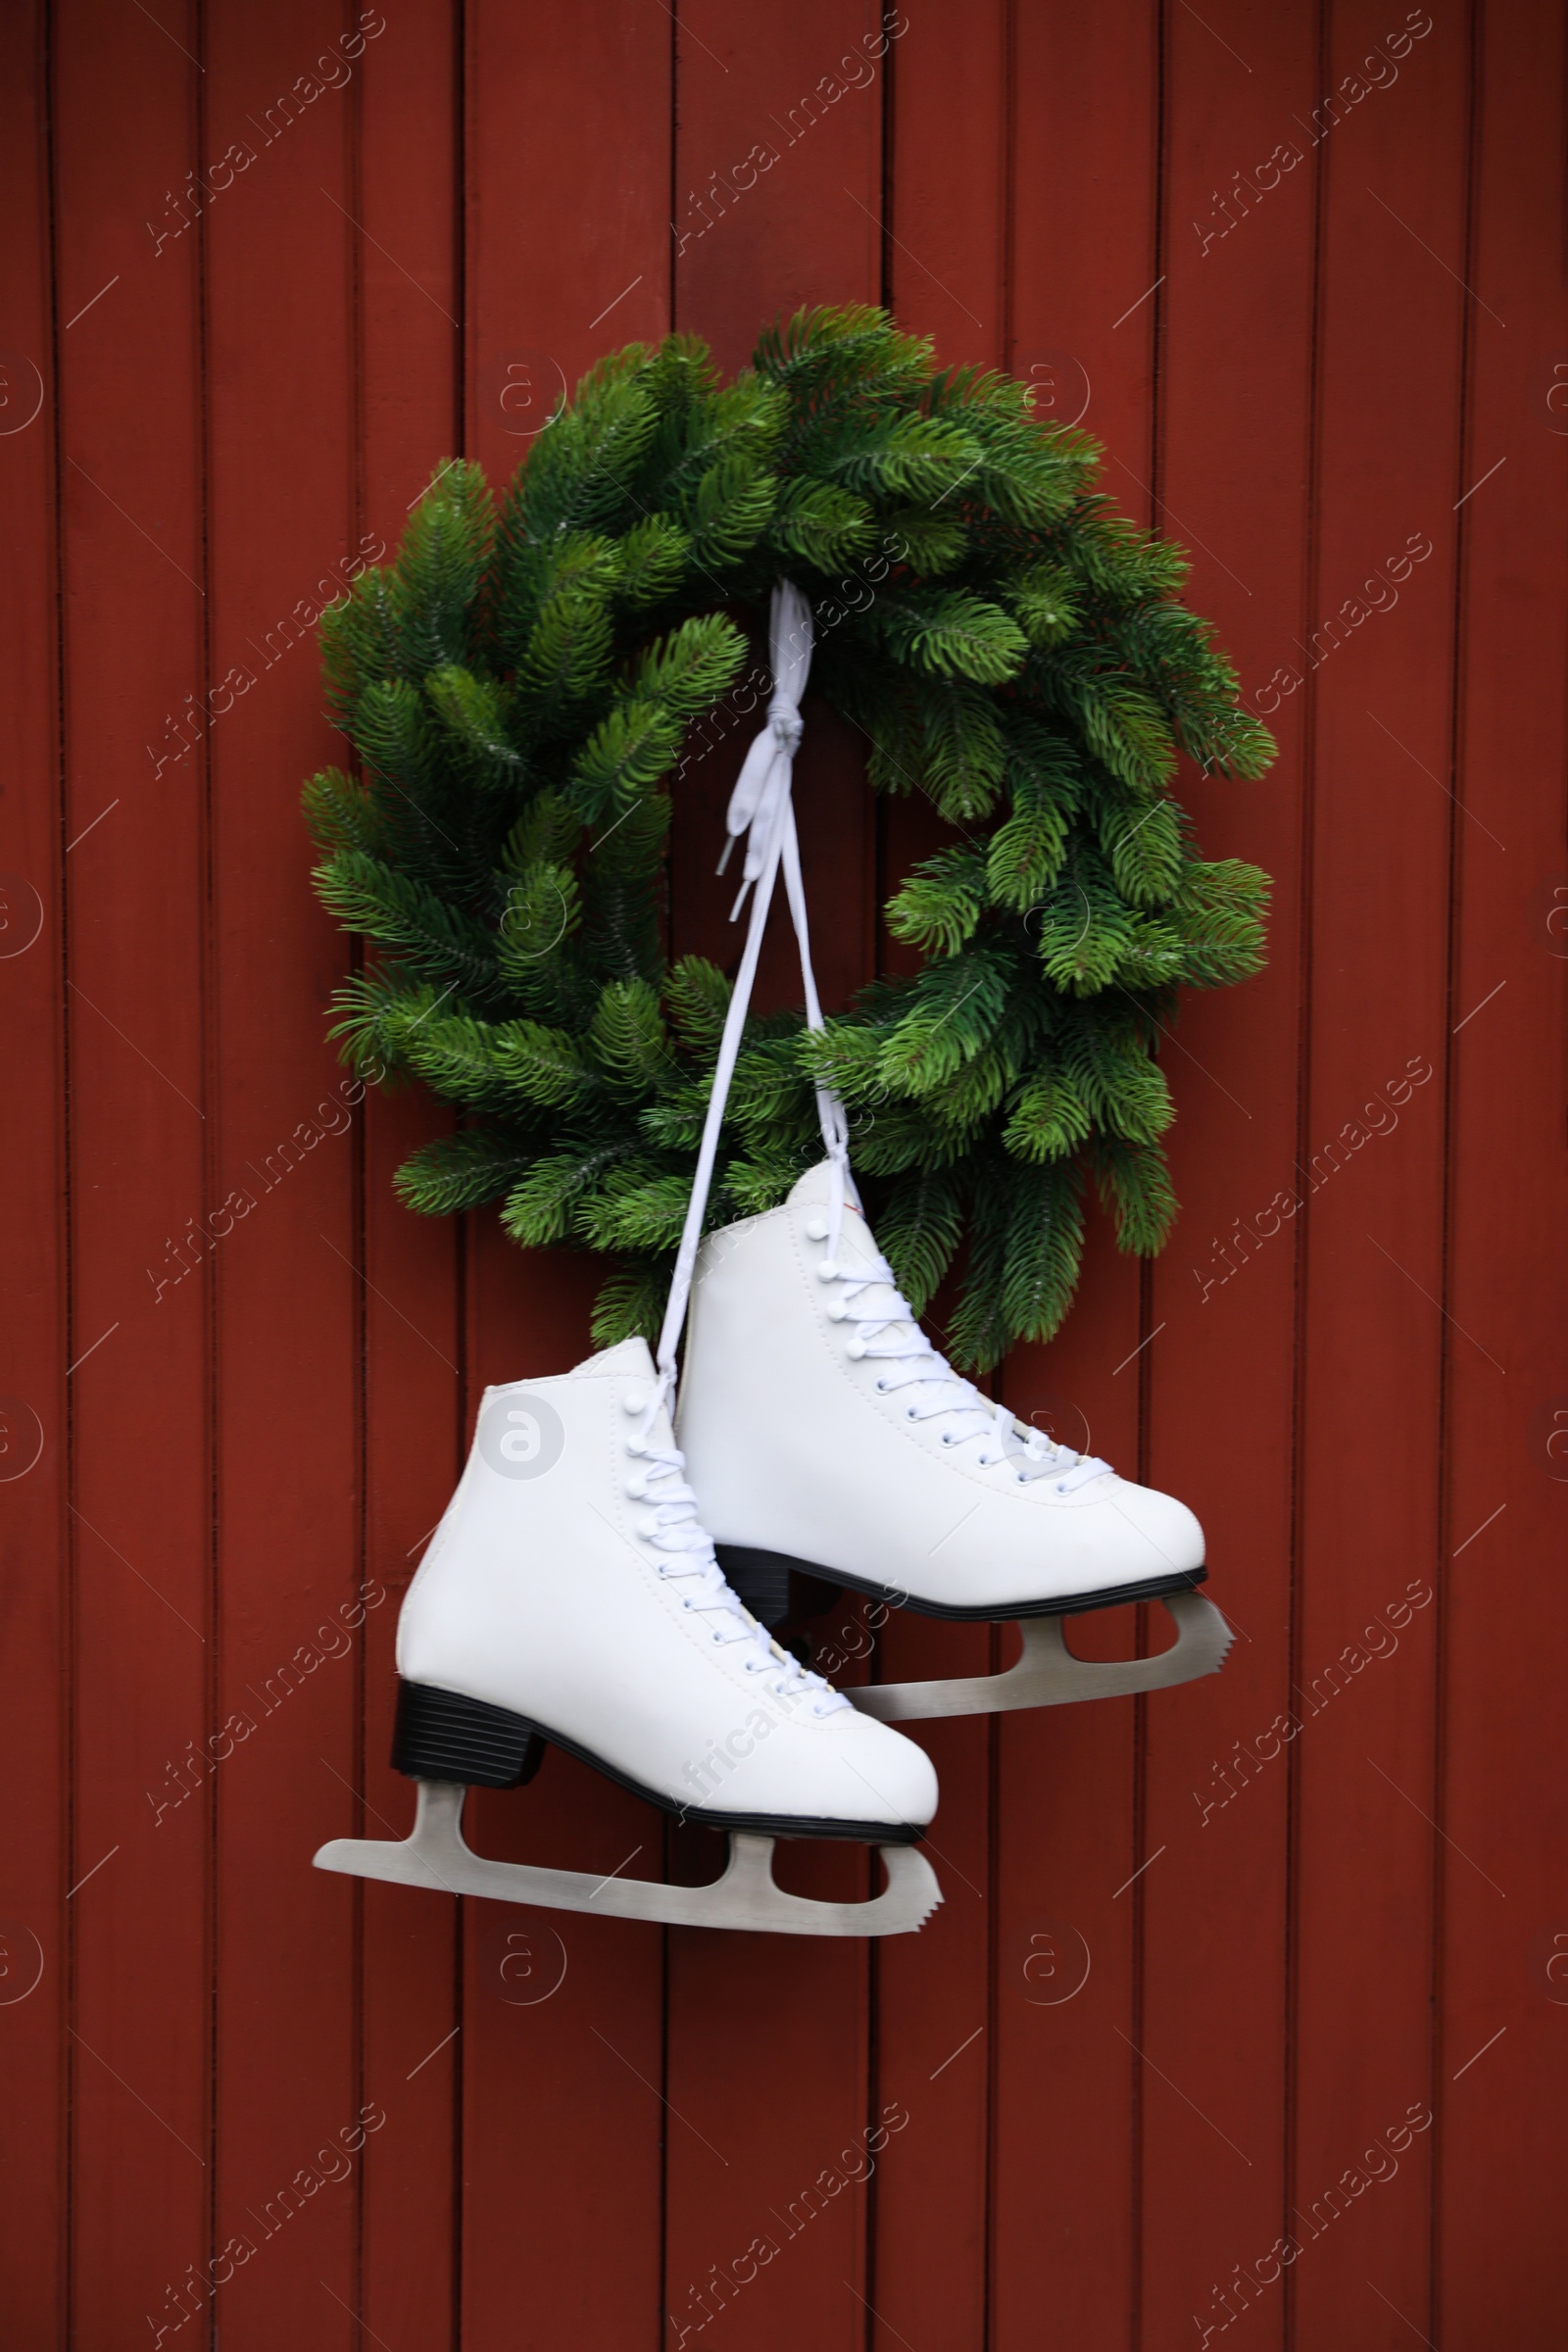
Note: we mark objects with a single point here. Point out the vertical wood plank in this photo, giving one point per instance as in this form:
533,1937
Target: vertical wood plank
779,165
409,104
949,149
1236,387
281,418
1065,2085
34,1545
550,102
142,1236
562,2121
1380,691
1504,1925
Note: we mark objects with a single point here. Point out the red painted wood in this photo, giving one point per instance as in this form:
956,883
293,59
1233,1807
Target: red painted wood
777,165
565,112
1238,308
1302,387
282,513
1499,1965
562,2116
949,152
1389,445
409,372
35,2056
1066,2082
146,1768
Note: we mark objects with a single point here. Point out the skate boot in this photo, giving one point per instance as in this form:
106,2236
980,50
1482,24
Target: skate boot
824,1432
570,1597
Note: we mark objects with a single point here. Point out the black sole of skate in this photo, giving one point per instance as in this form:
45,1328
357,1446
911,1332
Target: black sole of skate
445,1736
750,1570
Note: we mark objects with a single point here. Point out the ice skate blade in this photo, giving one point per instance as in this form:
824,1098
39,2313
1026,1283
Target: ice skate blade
1047,1675
434,1855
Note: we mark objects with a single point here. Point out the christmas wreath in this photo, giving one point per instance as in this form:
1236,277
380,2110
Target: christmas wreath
520,687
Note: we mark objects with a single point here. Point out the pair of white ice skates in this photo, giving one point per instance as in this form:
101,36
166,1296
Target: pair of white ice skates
571,1594
575,1592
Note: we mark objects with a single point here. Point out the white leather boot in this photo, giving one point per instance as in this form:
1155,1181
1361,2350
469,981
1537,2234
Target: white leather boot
570,1597
821,1427
570,1593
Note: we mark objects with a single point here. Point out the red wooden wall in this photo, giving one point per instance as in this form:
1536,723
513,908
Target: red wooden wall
1247,2004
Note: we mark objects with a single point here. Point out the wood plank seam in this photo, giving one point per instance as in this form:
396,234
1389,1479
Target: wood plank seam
1442,1466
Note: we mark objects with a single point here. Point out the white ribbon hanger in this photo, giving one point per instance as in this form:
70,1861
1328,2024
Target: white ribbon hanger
763,787
761,809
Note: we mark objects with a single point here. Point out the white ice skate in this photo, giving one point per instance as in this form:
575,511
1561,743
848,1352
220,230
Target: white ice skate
570,1597
824,1432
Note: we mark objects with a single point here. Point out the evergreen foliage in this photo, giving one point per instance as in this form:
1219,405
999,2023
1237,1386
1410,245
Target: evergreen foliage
518,685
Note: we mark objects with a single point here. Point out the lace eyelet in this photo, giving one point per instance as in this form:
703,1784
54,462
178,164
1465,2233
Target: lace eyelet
817,1229
634,1401
856,1348
636,1447
1021,1479
827,1271
881,1388
715,1634
1060,1487
911,1414
946,1437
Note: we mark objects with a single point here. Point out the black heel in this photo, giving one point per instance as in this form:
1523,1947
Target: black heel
441,1736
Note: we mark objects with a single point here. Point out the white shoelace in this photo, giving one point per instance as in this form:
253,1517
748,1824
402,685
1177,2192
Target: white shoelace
886,1332
673,1529
761,809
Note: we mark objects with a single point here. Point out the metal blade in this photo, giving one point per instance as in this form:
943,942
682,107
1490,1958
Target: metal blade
1047,1675
435,1856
